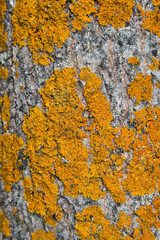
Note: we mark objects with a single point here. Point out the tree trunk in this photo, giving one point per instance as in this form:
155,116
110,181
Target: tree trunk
80,119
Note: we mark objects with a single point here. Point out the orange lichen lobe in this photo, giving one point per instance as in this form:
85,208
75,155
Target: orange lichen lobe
124,221
143,175
16,64
134,60
151,19
4,224
147,219
21,87
16,74
92,224
40,191
3,73
155,65
14,211
61,100
125,139
101,139
141,88
81,10
42,235
40,24
156,2
5,111
56,150
3,33
9,150
115,12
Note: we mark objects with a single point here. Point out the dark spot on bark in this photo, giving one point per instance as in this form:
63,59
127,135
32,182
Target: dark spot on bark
154,52
120,43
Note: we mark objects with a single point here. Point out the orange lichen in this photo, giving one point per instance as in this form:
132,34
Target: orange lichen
41,24
158,85
144,170
3,73
81,9
16,74
151,19
3,33
9,150
42,235
125,139
91,224
134,61
142,177
63,110
141,88
16,64
40,191
4,224
115,12
155,65
5,111
148,120
56,150
102,135
14,211
21,87
57,136
147,219
124,221
156,2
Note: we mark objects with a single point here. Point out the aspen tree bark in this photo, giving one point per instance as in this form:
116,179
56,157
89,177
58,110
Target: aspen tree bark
80,119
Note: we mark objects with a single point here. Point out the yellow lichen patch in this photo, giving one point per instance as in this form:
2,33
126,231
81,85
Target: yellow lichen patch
147,219
156,204
40,191
42,235
115,12
148,120
4,224
153,127
9,150
64,114
144,170
134,61
14,211
3,33
151,20
91,224
158,85
156,2
16,74
124,221
155,65
81,9
40,24
3,73
21,87
16,64
125,139
141,88
101,138
5,111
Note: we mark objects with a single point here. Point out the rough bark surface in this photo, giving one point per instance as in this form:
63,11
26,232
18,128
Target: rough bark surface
105,50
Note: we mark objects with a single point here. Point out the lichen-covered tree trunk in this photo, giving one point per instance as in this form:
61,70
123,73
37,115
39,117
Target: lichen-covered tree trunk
80,119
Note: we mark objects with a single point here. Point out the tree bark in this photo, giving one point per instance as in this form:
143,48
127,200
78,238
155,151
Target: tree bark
80,136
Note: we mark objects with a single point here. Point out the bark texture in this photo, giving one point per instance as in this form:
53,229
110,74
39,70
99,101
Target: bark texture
80,152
